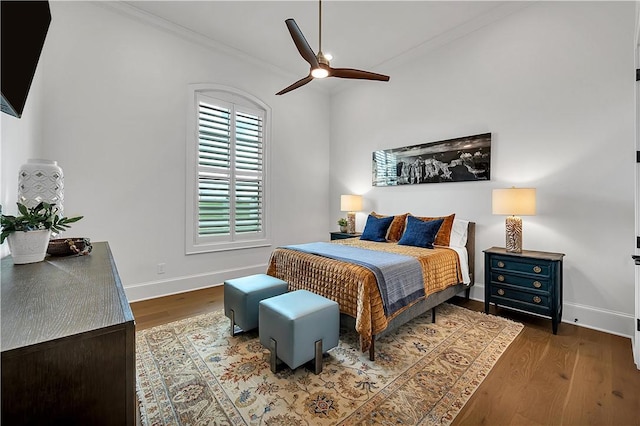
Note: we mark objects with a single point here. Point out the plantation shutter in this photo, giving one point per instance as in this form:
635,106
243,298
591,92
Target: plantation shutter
230,170
248,164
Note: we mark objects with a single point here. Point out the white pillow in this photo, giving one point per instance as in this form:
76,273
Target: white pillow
459,233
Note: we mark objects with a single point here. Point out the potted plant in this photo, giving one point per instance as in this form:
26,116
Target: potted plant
28,234
342,222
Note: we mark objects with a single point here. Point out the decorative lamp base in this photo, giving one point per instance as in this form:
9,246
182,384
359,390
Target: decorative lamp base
41,181
351,223
513,225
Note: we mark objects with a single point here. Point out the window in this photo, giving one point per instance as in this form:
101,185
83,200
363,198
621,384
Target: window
226,167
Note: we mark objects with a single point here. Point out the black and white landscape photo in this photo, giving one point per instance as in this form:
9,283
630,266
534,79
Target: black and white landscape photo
455,160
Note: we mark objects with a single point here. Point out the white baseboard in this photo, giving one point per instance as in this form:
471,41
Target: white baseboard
612,322
153,289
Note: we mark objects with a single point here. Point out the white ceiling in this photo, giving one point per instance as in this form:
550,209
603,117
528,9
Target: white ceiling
359,34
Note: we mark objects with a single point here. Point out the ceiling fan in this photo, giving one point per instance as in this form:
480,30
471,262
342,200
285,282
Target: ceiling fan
320,67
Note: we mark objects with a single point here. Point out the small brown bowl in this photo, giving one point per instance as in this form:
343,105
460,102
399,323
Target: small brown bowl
69,246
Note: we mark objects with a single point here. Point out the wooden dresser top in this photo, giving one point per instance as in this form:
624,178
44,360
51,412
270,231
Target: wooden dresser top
61,297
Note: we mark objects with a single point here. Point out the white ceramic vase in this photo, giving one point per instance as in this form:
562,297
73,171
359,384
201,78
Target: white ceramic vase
29,246
41,180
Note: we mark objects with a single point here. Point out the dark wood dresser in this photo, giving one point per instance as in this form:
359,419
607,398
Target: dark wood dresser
530,281
68,342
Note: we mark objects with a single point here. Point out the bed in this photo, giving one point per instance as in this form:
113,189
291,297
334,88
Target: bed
446,271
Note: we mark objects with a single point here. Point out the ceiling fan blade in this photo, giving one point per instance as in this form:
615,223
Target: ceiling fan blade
351,73
301,43
295,85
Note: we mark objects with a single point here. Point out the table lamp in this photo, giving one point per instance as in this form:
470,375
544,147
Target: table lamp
514,202
351,204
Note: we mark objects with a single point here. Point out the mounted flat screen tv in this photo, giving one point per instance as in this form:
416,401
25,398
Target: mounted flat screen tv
23,28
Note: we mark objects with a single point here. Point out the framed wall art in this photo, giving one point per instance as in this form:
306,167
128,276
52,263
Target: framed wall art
454,160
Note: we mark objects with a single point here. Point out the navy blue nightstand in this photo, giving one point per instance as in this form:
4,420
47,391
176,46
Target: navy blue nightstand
530,281
344,235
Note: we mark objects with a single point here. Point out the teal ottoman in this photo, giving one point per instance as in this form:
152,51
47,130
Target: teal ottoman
241,297
298,327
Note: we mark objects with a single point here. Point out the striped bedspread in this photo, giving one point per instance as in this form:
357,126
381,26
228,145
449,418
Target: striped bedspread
399,277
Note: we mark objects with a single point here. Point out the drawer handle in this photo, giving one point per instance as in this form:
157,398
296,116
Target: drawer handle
537,284
537,299
501,292
537,269
500,278
501,264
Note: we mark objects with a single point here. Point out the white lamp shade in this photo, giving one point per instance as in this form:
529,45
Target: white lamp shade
350,203
514,201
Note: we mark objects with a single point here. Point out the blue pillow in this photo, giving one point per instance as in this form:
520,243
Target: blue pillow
376,229
420,233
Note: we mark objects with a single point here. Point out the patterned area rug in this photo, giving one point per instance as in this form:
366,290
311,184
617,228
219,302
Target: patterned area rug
191,372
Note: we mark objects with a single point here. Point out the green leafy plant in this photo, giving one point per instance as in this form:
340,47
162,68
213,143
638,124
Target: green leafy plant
43,216
342,222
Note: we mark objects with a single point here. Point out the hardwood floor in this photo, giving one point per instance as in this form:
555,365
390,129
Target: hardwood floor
577,377
153,312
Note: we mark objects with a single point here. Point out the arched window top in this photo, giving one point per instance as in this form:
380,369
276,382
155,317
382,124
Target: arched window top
229,94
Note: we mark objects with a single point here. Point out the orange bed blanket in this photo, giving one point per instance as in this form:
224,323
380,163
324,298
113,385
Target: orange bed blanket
354,287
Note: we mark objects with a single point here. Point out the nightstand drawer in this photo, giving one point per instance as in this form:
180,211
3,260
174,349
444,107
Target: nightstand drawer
531,266
522,296
501,277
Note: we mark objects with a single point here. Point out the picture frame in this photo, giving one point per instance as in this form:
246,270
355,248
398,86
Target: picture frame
461,159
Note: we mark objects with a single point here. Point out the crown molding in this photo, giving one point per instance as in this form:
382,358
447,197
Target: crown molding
410,55
423,49
494,15
132,12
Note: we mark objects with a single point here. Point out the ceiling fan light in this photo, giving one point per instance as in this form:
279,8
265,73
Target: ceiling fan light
319,73
328,56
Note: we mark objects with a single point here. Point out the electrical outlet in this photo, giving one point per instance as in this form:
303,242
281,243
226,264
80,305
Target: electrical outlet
160,268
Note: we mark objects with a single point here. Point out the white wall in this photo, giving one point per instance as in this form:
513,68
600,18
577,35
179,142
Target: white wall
554,85
115,96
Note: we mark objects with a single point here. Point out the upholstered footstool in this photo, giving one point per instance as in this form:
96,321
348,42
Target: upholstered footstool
242,295
298,327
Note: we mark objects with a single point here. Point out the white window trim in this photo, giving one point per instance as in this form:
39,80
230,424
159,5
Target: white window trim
229,94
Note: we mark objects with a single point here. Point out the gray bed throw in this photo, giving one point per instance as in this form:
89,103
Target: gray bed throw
399,277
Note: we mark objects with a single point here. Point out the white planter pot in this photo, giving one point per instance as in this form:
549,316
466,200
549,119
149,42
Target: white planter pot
28,247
